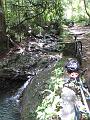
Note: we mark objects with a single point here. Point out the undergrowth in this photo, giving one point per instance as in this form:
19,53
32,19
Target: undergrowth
50,106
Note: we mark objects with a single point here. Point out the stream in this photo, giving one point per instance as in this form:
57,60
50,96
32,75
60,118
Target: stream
18,71
9,101
9,98
9,109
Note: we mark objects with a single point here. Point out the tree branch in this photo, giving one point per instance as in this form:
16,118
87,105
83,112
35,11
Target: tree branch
28,18
86,9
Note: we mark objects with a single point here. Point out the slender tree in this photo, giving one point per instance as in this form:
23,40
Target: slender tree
88,14
2,18
3,42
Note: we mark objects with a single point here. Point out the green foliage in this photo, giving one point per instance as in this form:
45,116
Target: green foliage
40,13
82,20
75,10
32,13
50,107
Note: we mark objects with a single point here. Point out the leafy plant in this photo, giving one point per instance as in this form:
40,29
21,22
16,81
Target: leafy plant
50,107
32,13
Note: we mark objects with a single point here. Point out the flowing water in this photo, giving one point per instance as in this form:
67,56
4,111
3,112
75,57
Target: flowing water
9,101
9,109
9,104
9,98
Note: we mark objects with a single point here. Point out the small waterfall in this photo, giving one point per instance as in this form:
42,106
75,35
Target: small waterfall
20,90
52,62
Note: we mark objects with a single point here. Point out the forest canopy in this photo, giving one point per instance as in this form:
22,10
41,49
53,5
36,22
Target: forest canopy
23,15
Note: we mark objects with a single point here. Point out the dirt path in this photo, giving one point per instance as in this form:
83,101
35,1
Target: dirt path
85,38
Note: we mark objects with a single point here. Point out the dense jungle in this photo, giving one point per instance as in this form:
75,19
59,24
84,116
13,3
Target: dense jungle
37,37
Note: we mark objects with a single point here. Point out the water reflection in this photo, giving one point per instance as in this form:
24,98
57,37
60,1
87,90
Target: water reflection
9,110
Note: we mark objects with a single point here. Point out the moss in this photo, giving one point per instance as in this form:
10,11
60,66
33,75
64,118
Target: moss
41,98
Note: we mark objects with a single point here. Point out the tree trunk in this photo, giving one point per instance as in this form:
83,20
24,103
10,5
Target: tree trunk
86,10
2,18
3,41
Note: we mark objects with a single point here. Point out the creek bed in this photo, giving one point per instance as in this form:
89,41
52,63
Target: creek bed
8,109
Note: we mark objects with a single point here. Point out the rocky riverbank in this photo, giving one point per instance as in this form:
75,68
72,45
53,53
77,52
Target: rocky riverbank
34,55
